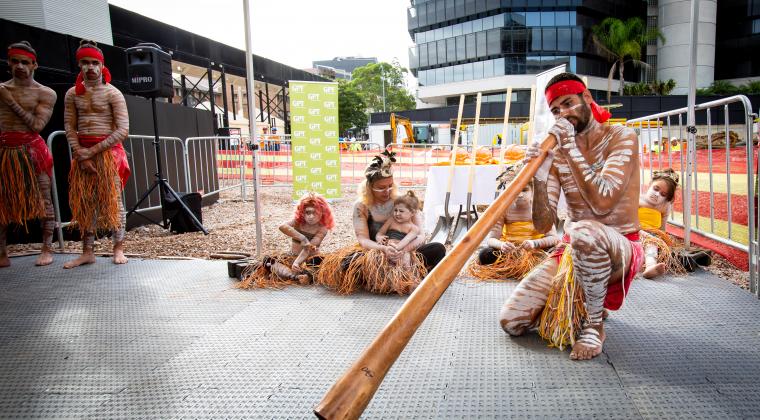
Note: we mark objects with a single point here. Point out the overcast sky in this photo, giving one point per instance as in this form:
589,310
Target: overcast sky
293,32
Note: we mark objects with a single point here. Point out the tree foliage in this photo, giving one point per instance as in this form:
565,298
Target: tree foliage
371,80
623,42
658,87
352,111
724,87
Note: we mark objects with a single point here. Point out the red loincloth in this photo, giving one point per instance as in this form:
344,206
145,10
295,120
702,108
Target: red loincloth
35,146
615,293
119,155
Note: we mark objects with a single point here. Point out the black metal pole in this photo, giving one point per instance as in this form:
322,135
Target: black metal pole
232,92
183,84
211,100
261,105
156,144
269,108
285,116
225,117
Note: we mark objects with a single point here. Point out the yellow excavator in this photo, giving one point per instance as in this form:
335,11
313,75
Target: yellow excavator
397,120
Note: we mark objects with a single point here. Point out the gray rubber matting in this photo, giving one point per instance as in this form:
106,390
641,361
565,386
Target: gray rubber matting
173,339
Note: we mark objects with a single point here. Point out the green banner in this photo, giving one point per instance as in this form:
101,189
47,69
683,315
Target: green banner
314,137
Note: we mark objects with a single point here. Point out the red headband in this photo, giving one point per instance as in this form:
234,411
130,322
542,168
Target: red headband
574,87
90,52
19,51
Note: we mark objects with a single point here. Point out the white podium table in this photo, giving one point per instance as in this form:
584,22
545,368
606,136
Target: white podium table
483,190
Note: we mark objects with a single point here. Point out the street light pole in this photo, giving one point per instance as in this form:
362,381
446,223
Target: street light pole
249,79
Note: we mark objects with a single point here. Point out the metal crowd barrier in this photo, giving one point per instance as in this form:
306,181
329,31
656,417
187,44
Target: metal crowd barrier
216,164
658,151
141,156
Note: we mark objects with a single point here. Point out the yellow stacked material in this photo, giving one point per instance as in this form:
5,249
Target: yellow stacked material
565,310
20,198
483,156
513,153
462,158
94,197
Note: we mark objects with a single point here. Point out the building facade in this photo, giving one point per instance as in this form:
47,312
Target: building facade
738,41
469,46
344,65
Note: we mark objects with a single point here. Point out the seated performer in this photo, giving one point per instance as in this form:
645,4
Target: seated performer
25,161
400,230
654,208
597,167
312,220
366,264
514,247
96,122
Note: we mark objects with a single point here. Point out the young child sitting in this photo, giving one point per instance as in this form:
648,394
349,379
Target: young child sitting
399,230
312,220
514,247
654,208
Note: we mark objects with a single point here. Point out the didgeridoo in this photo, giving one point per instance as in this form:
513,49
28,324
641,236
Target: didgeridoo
350,395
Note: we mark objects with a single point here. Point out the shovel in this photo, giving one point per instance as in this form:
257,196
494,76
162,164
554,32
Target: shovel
443,227
467,218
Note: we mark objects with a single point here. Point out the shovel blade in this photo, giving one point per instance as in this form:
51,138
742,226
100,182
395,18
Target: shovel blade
442,229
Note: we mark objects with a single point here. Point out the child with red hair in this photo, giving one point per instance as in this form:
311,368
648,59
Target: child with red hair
311,221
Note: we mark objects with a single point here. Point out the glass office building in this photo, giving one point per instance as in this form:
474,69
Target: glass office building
459,41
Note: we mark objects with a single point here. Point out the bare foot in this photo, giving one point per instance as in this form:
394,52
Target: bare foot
589,344
87,257
654,271
118,254
45,257
303,279
5,261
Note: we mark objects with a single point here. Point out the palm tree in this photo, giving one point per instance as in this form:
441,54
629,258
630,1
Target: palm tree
621,42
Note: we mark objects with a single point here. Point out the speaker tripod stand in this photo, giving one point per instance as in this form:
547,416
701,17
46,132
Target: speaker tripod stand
163,186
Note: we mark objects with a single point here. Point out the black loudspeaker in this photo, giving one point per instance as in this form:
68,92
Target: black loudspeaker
178,220
149,69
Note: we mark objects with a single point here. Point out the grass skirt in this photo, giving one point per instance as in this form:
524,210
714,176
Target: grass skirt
94,198
562,318
352,268
257,276
510,265
665,250
20,197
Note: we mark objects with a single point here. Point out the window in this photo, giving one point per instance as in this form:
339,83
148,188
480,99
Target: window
519,19
451,49
458,73
448,74
461,50
467,68
550,39
430,77
573,65
459,8
498,67
488,22
535,39
467,27
487,69
533,19
423,55
564,39
477,25
477,70
493,42
469,7
471,47
533,64
562,18
572,19
577,39
756,25
457,29
447,32
441,51
480,42
547,18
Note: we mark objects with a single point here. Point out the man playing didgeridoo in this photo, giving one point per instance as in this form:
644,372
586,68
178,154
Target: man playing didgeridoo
597,167
25,109
96,122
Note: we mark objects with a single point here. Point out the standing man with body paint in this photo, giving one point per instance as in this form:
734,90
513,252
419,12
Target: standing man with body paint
25,109
597,167
96,122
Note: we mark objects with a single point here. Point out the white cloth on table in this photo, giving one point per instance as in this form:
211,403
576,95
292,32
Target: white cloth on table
483,190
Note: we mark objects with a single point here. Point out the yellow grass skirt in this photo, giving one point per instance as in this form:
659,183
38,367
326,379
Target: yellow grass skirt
514,264
352,268
562,318
94,198
664,244
256,276
20,197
